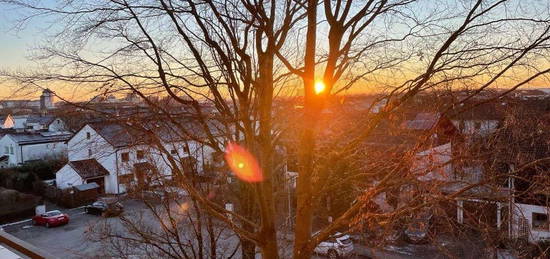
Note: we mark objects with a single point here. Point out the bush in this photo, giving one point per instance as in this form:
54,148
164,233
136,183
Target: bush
15,204
22,178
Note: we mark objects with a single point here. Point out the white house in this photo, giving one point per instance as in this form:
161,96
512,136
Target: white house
480,120
126,155
17,148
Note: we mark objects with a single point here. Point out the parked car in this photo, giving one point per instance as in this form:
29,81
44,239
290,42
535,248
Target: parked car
336,246
169,193
104,208
51,219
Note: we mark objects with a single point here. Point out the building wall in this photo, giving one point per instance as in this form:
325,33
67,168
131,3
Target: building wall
80,148
8,122
20,154
53,150
67,177
96,147
524,213
19,122
57,125
10,148
434,163
476,127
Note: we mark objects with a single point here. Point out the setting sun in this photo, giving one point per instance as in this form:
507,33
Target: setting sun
319,87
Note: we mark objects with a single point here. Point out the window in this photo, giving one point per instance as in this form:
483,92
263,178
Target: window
89,152
186,149
173,152
140,154
125,157
540,221
11,150
6,150
477,125
88,135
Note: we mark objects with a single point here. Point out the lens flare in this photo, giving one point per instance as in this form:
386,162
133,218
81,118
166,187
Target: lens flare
242,163
319,87
184,206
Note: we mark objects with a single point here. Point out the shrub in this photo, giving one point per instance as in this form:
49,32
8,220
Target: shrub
22,178
15,204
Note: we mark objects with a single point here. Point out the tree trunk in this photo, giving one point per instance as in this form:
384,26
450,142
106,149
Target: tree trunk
248,249
265,192
304,195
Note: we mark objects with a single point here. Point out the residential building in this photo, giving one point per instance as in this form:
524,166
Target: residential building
33,123
18,148
117,157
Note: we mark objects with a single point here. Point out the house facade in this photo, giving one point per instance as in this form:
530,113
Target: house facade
18,148
126,156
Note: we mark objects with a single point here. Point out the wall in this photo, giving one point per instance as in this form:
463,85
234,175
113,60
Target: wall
468,127
434,163
44,151
526,211
19,121
111,158
14,157
57,125
101,150
66,177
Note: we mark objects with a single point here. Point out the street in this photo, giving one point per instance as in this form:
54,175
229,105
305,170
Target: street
70,241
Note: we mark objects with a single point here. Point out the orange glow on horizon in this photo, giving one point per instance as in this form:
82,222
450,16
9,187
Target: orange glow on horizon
243,164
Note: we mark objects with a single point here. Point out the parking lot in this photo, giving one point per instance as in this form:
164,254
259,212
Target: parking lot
67,241
70,241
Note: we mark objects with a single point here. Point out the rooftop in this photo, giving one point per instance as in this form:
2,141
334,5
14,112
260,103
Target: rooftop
40,137
88,168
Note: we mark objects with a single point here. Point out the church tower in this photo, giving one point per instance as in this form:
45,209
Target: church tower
46,100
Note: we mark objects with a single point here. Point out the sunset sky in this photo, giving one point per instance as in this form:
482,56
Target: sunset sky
16,45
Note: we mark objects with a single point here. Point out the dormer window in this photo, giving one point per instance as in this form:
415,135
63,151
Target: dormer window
88,135
89,153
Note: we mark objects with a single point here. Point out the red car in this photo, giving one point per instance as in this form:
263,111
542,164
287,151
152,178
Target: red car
51,219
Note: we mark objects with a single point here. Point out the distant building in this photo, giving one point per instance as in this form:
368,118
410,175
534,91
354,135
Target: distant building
46,100
532,94
32,123
45,103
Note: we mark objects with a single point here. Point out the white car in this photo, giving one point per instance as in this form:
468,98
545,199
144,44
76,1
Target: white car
336,246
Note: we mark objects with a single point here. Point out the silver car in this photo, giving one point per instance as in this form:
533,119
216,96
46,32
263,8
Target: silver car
336,246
